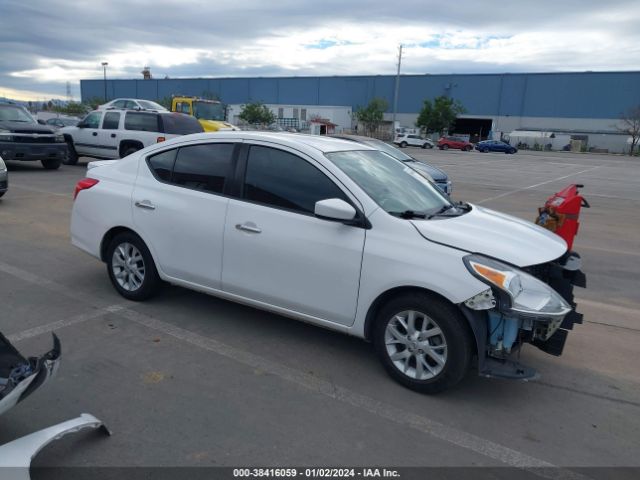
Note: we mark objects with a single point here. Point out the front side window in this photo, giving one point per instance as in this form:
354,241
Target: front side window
394,186
92,120
208,111
143,122
203,167
280,179
111,121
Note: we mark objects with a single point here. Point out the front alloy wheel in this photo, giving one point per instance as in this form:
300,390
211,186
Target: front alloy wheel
423,341
416,345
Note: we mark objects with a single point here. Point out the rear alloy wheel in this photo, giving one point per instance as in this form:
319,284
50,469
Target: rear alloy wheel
426,145
51,164
422,342
131,268
403,144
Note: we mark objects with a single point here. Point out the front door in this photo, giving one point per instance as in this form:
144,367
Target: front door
108,140
277,252
85,138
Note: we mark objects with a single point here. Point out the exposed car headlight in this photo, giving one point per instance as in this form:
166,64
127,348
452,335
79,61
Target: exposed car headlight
527,294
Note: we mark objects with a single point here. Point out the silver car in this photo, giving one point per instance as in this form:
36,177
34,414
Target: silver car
4,178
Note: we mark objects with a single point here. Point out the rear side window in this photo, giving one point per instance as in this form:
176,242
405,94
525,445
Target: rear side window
283,180
143,122
203,167
111,121
162,164
175,123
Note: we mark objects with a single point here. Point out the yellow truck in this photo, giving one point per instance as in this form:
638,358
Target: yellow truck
210,113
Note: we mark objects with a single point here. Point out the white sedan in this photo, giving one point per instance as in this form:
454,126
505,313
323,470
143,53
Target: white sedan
334,233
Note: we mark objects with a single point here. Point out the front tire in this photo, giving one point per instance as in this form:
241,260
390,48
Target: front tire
72,155
131,268
423,342
467,148
403,145
51,164
444,147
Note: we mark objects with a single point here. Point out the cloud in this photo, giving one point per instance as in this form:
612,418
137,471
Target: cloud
47,43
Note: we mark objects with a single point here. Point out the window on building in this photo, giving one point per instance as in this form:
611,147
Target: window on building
295,113
303,114
280,112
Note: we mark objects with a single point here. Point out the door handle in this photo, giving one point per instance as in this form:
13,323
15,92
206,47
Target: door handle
146,204
113,135
95,134
248,227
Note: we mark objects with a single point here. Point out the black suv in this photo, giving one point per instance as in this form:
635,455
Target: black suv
23,138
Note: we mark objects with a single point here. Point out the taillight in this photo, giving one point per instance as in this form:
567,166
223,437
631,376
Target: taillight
160,139
84,184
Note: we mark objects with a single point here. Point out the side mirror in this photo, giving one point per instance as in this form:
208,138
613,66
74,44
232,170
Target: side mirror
41,122
334,209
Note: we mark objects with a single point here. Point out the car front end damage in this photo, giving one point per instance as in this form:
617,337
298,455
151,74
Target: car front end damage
532,305
19,378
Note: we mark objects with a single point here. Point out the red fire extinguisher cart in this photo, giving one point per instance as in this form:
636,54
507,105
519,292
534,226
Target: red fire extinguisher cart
561,213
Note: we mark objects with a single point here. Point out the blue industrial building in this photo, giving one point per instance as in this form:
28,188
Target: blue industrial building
581,102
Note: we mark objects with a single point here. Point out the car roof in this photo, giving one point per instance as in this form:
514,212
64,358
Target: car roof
321,143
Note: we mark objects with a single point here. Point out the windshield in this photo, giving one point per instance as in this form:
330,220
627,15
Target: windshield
208,111
15,114
149,105
386,148
396,187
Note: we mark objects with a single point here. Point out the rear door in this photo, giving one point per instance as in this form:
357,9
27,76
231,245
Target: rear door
107,138
180,203
277,252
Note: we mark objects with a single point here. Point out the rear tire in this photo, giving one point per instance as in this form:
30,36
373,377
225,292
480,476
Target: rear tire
467,148
484,150
423,342
51,164
129,150
131,268
444,147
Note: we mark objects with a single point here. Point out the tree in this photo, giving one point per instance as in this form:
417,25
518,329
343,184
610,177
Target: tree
439,115
72,108
630,124
371,115
257,113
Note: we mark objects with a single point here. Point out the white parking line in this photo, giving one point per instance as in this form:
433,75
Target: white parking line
38,190
538,184
53,326
451,435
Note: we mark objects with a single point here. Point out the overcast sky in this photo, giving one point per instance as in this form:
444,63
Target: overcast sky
44,44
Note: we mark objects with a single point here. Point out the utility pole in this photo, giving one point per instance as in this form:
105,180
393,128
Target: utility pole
104,68
397,89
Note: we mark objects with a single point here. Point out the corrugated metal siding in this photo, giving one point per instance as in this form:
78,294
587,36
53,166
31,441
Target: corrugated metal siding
565,95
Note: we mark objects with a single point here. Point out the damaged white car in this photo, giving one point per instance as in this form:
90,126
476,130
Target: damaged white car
337,234
19,378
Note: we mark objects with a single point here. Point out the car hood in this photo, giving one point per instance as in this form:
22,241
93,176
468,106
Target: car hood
23,127
437,174
495,234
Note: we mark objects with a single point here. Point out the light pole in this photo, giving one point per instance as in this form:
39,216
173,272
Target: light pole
104,69
396,90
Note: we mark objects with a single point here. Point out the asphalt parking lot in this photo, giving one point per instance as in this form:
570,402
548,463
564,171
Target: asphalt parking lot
190,380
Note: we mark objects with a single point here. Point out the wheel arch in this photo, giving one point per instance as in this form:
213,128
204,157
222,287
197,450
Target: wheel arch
387,295
124,144
111,234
